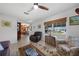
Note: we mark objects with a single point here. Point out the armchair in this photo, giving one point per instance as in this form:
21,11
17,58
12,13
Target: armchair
36,37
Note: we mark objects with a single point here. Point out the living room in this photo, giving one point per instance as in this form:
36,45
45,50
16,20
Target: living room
34,19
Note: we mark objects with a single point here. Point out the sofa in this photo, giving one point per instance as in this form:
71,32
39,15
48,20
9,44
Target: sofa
69,47
6,50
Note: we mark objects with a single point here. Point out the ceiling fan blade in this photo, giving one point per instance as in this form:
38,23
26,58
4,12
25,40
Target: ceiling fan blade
26,13
30,9
43,7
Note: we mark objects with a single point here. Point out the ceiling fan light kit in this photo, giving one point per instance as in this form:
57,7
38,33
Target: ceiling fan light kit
36,6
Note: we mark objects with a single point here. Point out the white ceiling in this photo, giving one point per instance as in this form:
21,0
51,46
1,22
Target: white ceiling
17,10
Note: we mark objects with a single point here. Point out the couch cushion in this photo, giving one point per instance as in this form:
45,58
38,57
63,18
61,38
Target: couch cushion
76,41
1,47
5,44
65,47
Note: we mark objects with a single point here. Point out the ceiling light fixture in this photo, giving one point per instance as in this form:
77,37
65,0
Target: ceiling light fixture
35,6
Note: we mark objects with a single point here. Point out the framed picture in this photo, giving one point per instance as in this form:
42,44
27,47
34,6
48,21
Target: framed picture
5,23
74,20
39,26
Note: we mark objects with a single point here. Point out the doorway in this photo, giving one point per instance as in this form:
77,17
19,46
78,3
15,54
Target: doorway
18,30
22,30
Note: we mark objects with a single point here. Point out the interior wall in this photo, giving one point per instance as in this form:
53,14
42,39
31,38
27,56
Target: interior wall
35,27
8,33
71,30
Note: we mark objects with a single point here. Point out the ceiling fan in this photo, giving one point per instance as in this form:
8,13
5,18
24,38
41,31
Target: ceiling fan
36,6
77,10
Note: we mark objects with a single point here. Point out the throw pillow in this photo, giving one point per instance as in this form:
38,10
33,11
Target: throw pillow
1,47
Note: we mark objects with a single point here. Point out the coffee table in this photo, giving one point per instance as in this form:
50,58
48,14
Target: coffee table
22,50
